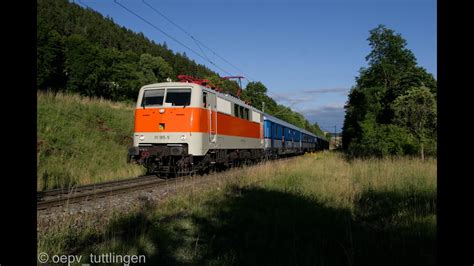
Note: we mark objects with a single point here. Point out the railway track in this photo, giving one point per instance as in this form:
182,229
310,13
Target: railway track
57,197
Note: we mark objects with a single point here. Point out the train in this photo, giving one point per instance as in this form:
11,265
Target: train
190,126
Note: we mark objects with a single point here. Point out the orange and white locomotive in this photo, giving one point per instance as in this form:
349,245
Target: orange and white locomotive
185,127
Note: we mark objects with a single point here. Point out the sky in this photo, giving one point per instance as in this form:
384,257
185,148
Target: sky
307,53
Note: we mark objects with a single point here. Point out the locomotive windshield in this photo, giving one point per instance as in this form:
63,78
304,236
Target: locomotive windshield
153,98
178,97
175,97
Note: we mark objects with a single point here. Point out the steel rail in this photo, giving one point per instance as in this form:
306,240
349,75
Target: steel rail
88,192
42,195
57,197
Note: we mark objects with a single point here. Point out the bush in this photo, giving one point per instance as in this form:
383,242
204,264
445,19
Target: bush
382,140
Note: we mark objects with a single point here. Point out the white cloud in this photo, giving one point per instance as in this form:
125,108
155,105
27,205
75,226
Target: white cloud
327,116
327,90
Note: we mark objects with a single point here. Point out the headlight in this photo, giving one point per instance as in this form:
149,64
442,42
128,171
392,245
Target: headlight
183,137
142,137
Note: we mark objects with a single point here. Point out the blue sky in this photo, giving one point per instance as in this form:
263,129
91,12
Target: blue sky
307,53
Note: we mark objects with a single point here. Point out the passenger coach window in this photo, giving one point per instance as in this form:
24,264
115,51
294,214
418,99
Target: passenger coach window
153,97
178,97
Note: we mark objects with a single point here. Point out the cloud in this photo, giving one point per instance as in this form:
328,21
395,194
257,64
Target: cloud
327,90
327,116
297,97
325,108
305,95
289,99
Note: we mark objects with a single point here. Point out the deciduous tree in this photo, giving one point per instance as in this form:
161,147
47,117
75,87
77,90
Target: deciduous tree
392,71
416,111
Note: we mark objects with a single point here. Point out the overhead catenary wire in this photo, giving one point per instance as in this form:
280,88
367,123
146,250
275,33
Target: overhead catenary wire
328,128
284,99
179,27
170,36
198,42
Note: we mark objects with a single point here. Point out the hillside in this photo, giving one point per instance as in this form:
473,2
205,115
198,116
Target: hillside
81,51
82,140
65,27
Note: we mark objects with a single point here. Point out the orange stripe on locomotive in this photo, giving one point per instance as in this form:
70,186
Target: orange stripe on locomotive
192,119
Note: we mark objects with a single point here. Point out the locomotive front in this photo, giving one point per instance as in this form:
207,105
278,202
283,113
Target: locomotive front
168,127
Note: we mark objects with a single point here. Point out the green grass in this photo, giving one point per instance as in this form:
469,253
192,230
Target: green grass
82,140
317,209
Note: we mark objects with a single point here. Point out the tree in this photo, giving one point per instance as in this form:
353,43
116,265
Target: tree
381,140
363,104
50,60
228,86
69,36
81,51
392,71
123,80
154,69
416,111
84,65
316,129
256,93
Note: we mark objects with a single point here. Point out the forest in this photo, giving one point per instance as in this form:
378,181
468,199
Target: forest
81,51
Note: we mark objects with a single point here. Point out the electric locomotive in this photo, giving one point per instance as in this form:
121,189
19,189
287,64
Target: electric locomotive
189,126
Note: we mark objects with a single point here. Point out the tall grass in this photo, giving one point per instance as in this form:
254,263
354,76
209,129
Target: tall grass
82,140
317,209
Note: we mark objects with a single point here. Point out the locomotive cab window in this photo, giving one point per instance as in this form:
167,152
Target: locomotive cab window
153,98
178,97
204,99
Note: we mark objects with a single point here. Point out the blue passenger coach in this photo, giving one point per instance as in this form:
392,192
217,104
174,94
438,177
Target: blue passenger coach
284,138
